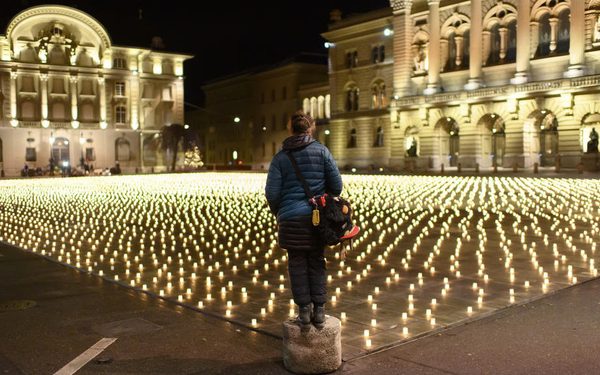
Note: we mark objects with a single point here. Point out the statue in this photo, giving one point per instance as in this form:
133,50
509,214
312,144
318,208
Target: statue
73,52
592,145
420,59
412,150
43,50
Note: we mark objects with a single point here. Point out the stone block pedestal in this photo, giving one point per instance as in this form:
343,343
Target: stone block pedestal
591,162
308,350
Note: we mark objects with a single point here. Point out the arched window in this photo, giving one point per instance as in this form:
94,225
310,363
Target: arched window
121,115
327,106
589,132
321,107
378,95
306,105
60,152
543,36
375,55
411,141
500,44
511,50
352,97
374,96
463,60
451,61
352,138
494,45
313,107
378,137
564,28
122,150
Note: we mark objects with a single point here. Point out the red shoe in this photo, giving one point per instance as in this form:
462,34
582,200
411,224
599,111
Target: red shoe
351,232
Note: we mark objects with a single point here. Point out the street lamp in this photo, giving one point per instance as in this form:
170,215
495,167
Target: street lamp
236,119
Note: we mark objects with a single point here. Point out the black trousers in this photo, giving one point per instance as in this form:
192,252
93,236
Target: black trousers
306,260
308,276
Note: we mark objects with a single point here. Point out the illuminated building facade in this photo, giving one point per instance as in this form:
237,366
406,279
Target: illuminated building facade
67,94
478,83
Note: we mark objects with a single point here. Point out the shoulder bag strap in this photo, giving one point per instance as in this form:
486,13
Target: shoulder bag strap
307,191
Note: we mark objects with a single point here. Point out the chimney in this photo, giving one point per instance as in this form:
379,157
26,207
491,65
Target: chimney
335,15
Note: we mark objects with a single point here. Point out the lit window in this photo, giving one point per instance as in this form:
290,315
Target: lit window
119,63
120,89
120,114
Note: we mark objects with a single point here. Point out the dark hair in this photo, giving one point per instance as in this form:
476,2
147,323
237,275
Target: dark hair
301,122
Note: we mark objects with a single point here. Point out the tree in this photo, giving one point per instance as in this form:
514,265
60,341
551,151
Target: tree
175,133
171,136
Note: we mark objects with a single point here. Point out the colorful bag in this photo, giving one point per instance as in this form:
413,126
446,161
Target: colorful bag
332,216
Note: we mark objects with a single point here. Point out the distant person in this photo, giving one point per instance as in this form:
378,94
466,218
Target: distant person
288,201
116,169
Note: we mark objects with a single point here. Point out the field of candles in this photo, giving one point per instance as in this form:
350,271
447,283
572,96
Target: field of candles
433,251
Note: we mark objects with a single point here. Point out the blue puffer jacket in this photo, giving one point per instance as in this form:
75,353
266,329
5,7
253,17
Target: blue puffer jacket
284,191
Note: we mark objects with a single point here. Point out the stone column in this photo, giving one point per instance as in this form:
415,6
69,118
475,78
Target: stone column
577,43
459,49
503,42
74,110
141,153
475,41
13,99
134,98
44,93
523,42
433,79
402,24
553,33
486,48
102,93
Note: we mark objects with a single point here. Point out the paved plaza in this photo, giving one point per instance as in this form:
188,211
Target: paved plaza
434,251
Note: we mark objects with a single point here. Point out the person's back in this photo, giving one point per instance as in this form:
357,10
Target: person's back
289,202
284,191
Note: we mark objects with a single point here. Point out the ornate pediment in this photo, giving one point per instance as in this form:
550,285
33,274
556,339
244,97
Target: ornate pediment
55,35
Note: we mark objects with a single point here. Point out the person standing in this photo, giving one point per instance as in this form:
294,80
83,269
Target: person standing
289,203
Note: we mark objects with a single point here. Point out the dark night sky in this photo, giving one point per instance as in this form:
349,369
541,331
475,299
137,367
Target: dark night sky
229,37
